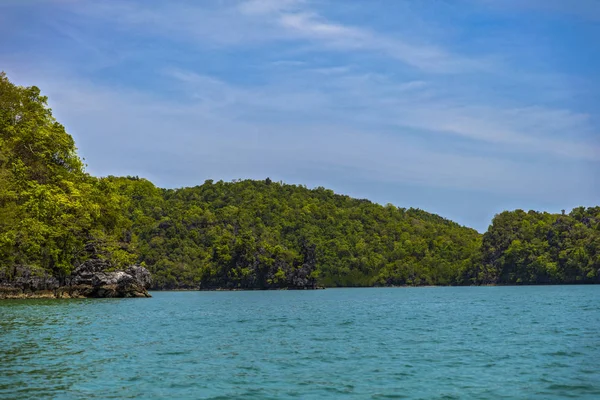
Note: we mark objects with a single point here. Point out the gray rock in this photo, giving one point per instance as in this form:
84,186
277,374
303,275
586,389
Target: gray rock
141,275
84,273
90,279
27,279
111,278
97,282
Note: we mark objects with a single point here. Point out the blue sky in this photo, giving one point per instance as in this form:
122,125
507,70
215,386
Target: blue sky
463,108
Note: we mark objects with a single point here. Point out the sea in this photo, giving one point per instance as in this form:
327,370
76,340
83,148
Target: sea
526,342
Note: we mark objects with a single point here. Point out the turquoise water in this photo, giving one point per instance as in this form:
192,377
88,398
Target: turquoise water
421,343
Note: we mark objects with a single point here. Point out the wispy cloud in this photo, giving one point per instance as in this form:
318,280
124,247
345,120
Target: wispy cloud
379,102
312,26
256,21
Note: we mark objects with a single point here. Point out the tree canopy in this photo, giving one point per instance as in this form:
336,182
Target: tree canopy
532,247
265,234
53,213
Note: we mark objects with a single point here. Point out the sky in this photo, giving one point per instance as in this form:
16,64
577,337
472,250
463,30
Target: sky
464,108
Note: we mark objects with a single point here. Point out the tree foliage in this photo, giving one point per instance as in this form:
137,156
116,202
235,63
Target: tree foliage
532,247
53,213
265,234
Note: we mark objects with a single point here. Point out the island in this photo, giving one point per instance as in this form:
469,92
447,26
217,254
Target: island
65,233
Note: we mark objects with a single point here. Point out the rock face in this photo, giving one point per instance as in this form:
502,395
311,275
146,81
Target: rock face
21,281
141,275
90,279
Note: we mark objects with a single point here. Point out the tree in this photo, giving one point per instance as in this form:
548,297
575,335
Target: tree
51,208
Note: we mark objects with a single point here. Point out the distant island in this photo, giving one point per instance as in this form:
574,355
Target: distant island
56,218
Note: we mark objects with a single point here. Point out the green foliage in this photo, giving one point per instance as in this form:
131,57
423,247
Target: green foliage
533,248
51,209
260,234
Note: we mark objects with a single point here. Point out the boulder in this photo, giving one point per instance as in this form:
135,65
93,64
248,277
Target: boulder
141,275
90,279
85,272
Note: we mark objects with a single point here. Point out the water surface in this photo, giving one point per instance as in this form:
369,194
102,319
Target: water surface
414,343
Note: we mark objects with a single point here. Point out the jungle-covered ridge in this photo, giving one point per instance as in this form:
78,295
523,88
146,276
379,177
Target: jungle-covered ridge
255,234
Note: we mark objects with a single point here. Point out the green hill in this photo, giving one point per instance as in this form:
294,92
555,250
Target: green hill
541,248
251,234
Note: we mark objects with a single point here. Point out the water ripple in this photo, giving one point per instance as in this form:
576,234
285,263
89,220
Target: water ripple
429,343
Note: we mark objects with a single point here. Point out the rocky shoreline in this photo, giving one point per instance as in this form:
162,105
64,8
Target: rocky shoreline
92,279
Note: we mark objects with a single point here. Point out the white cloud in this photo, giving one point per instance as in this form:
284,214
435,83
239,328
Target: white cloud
259,21
312,26
374,101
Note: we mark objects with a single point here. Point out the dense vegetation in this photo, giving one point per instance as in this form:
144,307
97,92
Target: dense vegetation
52,214
532,247
263,233
255,234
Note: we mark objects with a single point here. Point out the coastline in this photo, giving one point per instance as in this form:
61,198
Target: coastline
83,292
68,292
235,289
368,287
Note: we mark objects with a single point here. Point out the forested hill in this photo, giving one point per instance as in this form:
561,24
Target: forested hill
541,248
267,234
254,234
